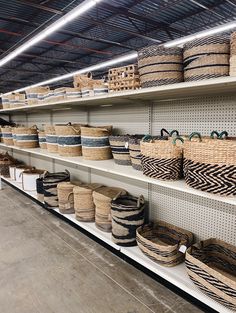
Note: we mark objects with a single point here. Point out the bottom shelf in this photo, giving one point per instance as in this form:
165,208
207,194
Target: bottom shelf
176,275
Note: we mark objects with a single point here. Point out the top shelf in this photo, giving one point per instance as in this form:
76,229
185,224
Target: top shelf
224,85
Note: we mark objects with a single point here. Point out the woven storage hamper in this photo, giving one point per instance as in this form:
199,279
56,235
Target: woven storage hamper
42,140
206,58
32,94
51,139
5,161
160,66
211,265
6,101
27,137
82,80
40,190
50,182
66,196
120,149
127,214
232,61
210,165
83,202
66,93
69,139
161,159
99,87
7,136
29,178
161,242
102,199
17,101
135,151
95,143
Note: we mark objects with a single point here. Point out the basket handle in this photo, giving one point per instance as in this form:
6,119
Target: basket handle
223,135
163,130
174,132
140,201
177,138
74,129
214,132
195,134
147,138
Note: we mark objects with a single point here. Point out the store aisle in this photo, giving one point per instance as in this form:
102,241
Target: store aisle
47,266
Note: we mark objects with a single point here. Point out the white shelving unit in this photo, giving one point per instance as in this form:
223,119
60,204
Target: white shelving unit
195,106
176,275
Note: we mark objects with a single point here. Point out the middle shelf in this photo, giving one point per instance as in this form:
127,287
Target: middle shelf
109,166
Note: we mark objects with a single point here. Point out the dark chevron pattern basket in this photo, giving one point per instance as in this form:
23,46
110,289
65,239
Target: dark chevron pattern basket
127,214
206,58
211,265
160,66
161,242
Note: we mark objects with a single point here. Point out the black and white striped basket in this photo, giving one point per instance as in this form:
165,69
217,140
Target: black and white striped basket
206,58
160,66
127,214
211,265
50,182
120,149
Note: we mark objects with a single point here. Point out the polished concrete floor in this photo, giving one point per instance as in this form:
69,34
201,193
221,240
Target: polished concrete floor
47,266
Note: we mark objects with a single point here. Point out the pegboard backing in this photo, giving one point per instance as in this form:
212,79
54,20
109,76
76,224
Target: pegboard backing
202,114
204,217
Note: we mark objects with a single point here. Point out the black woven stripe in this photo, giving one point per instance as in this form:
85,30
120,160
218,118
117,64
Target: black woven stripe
207,65
158,63
163,262
156,250
204,76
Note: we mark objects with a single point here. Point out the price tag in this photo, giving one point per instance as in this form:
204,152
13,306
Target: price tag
182,248
127,145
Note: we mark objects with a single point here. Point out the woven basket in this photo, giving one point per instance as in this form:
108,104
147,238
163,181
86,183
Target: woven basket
14,135
161,242
161,159
66,196
232,54
42,140
95,142
7,136
120,149
18,100
102,199
135,151
160,66
51,139
6,101
27,137
83,202
40,190
206,58
5,161
50,182
69,139
210,165
64,93
82,80
211,265
127,214
32,94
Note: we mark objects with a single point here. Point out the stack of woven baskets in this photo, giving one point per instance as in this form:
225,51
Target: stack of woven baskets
233,54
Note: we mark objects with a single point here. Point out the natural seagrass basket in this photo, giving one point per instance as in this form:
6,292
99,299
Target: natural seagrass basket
233,54
27,137
160,66
161,159
51,138
42,140
83,202
7,136
66,196
211,265
127,214
69,139
102,199
5,161
206,58
161,242
95,142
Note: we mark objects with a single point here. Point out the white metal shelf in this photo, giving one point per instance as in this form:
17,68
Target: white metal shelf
224,85
109,166
176,275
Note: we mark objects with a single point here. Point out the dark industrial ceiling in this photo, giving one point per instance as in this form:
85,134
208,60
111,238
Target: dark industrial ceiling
111,28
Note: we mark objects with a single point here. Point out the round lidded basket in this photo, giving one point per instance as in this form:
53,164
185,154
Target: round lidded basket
120,149
95,142
127,215
66,196
161,242
51,138
42,140
83,202
27,137
206,58
7,136
160,66
102,199
69,139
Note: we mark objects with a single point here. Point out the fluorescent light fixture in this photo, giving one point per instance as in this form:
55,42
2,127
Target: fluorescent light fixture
208,32
132,55
73,14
